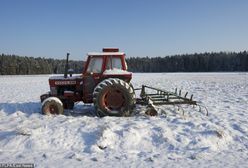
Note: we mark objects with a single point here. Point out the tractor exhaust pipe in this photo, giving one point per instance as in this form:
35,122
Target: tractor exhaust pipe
66,66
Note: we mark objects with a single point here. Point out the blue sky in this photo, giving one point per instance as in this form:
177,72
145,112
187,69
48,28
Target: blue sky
50,28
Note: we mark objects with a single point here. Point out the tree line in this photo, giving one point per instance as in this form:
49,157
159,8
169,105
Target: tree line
17,65
203,62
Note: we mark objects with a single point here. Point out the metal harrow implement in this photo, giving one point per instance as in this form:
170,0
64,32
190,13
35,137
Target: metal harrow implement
153,97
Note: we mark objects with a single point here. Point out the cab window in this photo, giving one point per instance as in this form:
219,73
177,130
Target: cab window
95,65
114,63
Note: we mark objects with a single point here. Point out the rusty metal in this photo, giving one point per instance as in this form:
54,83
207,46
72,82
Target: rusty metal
152,97
162,97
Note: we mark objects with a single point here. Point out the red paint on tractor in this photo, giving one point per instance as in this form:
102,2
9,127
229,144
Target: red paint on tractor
80,88
113,99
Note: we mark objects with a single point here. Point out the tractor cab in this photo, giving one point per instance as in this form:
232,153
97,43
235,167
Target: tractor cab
110,63
105,63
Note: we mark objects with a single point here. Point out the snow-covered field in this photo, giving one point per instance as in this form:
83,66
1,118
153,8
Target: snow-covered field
80,139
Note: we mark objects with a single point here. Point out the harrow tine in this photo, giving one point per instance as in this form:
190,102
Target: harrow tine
179,107
201,106
191,97
186,94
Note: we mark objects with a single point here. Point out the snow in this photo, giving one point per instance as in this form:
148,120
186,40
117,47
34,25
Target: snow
79,138
105,53
115,71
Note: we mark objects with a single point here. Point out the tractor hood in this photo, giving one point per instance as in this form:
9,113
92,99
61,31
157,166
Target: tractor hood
60,80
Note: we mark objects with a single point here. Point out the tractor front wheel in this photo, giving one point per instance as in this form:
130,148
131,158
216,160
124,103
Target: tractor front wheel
52,106
114,97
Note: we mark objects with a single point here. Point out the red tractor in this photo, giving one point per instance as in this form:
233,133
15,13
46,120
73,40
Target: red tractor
105,82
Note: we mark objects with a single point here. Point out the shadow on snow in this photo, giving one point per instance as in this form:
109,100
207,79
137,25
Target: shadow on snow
35,107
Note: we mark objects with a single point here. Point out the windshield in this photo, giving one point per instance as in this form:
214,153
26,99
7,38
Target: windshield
114,63
95,65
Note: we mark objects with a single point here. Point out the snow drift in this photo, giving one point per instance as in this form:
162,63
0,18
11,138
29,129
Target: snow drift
79,138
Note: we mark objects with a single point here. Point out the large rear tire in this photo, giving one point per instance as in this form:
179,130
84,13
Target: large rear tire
114,97
52,106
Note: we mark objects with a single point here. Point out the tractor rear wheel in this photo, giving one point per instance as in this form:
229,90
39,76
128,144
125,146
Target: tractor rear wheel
114,97
52,106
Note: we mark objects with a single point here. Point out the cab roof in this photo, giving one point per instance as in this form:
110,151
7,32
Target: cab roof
105,53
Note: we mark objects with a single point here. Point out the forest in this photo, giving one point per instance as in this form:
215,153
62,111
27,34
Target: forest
202,62
19,65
